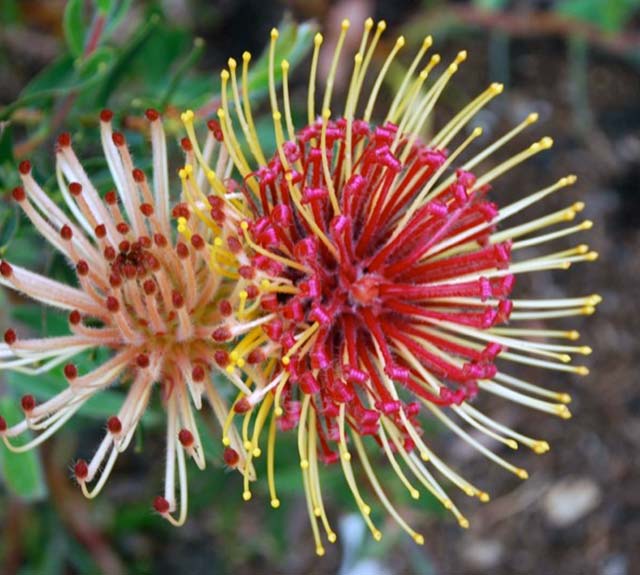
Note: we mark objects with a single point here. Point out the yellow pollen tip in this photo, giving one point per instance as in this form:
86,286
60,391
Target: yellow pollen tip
382,25
588,310
346,456
285,65
400,42
345,24
477,132
318,39
582,370
358,58
564,398
368,23
317,511
570,215
585,350
582,248
532,118
275,503
332,537
232,63
512,443
221,114
419,539
246,495
592,256
257,452
586,225
187,116
182,174
573,335
461,57
578,206
522,473
288,176
326,113
427,42
463,522
243,294
274,33
304,464
447,504
415,494
278,411
226,441
453,68
224,75
319,551
265,284
277,116
470,492
286,360
244,225
246,56
540,447
484,497
230,369
424,456
377,535
595,299
247,445
497,88
546,142
563,411
564,358
217,242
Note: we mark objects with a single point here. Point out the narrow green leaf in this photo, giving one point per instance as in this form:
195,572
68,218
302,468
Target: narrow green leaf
74,27
22,472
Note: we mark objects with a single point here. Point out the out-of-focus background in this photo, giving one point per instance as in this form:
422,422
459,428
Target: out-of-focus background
575,62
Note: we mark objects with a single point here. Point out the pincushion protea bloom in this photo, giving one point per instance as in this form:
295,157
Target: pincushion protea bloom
390,274
152,299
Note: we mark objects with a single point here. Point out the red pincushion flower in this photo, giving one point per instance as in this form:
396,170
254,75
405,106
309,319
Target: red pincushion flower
381,259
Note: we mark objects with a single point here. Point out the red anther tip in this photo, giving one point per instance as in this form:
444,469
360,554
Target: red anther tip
65,232
113,304
197,241
82,268
70,371
177,299
100,231
186,438
215,128
182,250
146,209
152,115
5,269
75,317
225,307
18,194
81,470
221,357
75,188
221,334
109,253
28,402
186,144
198,373
64,140
118,138
114,425
138,175
242,406
3,424
160,240
106,115
161,505
149,287
142,360
24,167
10,337
230,456
123,228
110,197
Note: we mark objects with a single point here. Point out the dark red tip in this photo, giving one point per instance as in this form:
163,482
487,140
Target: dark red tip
65,232
81,470
64,140
161,505
101,231
113,305
152,115
230,456
110,197
159,240
242,406
75,188
197,241
146,209
3,424
186,144
82,268
114,425
118,138
28,402
18,194
221,334
142,360
215,128
75,317
70,371
186,438
182,250
149,287
109,253
221,357
5,269
198,373
24,167
138,175
10,337
177,299
106,115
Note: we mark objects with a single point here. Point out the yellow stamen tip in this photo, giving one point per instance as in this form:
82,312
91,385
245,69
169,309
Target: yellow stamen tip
332,537
563,411
233,356
564,397
275,503
304,464
377,535
358,58
588,310
540,447
277,116
232,63
593,256
461,57
419,539
546,142
246,56
582,370
522,473
221,115
247,445
226,441
243,294
265,284
217,242
285,65
586,225
187,116
427,42
585,350
224,75
274,33
319,551
415,494
512,443
318,39
317,511
463,522
368,24
400,42
382,25
346,456
484,497
345,24
477,131
244,225
230,369
424,456
326,113
572,178
447,504
497,88
278,411
286,360
564,358
246,495
573,335
532,118
257,452
596,299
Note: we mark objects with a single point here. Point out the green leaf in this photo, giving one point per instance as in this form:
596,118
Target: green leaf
104,5
22,472
8,227
610,16
490,4
74,26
